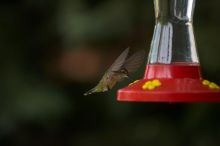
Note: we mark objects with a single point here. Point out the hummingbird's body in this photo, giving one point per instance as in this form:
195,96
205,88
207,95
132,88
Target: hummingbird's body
119,70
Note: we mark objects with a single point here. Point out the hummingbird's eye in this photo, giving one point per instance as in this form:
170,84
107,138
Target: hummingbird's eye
124,71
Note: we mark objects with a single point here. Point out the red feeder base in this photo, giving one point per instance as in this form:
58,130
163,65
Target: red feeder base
178,83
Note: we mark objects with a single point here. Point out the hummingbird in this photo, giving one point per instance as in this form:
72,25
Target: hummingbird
119,70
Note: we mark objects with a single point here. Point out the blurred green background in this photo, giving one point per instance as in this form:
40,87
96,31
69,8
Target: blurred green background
52,51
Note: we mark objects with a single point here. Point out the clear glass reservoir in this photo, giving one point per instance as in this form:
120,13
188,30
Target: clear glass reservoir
173,40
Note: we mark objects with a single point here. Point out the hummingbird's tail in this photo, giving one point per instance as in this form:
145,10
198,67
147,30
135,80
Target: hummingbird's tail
93,90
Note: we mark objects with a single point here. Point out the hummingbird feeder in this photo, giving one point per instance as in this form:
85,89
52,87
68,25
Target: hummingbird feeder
173,70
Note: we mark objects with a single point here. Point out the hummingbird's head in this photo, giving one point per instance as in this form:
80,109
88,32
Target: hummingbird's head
123,73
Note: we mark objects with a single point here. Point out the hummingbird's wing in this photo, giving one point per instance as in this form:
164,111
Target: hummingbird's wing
119,62
134,62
